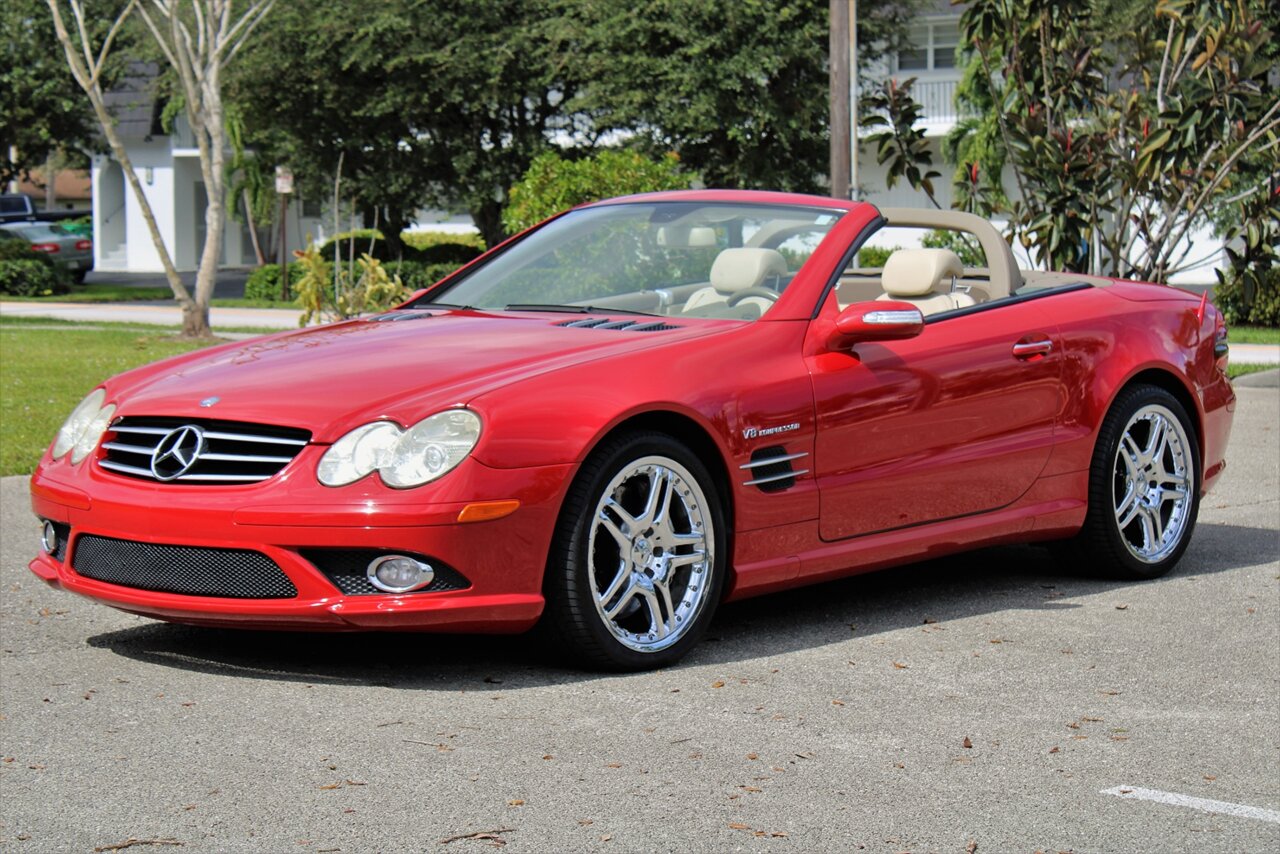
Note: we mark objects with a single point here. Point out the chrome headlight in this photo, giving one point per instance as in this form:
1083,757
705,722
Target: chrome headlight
84,427
403,458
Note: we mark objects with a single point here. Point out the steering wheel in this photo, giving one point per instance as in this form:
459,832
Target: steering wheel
746,293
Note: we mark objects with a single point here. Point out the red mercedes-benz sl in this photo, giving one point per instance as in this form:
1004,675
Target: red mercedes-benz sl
635,411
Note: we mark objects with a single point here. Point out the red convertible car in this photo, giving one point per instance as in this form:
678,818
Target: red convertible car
638,410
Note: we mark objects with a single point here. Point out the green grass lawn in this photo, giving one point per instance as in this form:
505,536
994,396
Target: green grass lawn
1234,370
1253,334
106,292
46,372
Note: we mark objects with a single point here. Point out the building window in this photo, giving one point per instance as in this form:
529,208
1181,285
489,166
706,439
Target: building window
933,47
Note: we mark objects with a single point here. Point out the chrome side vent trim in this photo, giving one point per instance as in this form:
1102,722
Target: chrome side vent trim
772,470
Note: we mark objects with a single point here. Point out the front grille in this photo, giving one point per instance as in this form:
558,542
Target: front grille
230,573
228,452
348,570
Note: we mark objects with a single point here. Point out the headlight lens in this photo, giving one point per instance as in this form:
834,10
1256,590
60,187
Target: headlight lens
358,453
403,458
92,434
431,448
78,422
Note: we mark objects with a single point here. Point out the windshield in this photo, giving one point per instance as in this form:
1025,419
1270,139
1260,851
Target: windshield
664,258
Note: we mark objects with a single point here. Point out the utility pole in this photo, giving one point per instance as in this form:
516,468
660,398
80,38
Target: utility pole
853,102
838,60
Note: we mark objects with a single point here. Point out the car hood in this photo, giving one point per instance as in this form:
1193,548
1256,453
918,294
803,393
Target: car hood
402,367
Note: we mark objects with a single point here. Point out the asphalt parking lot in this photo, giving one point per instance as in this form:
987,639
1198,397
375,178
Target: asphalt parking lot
1002,701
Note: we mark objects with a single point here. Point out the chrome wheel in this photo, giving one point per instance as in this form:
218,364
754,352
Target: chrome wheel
650,551
1153,483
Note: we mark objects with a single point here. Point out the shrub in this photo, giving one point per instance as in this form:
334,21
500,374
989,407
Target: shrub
1259,308
20,250
424,239
264,282
965,246
375,288
456,254
553,184
417,274
30,278
871,257
368,241
434,251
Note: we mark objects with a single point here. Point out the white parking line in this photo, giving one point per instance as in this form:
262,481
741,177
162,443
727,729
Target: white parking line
1203,804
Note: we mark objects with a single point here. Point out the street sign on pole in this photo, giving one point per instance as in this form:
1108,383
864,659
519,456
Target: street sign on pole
284,180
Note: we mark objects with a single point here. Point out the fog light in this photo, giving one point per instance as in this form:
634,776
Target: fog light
399,574
49,538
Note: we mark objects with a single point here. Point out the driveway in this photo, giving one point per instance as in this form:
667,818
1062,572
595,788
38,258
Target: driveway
1002,701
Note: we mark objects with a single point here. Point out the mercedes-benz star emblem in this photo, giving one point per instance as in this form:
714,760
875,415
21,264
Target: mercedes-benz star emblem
178,451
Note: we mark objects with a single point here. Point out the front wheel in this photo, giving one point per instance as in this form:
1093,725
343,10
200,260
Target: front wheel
1144,490
637,564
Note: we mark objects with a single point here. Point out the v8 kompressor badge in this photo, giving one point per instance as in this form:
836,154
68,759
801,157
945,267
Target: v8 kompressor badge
757,432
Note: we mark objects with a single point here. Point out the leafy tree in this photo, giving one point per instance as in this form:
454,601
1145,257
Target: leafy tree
438,104
554,184
901,144
1126,130
737,88
42,108
198,41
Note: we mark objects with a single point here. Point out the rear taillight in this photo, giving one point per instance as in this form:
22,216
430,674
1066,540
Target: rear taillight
84,244
45,247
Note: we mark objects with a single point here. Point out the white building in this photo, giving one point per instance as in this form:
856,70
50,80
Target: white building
168,167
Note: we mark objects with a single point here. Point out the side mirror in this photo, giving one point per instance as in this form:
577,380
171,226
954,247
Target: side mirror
876,321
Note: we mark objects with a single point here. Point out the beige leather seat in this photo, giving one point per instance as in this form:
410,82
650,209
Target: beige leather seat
736,270
923,278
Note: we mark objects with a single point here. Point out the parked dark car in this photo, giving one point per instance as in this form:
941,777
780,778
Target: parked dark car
72,252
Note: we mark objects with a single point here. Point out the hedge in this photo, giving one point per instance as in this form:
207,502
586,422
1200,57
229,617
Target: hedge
20,250
264,282
30,278
1263,309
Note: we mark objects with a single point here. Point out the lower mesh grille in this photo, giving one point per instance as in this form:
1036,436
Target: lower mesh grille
230,573
348,570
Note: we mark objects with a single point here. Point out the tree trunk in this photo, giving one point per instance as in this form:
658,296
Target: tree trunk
396,223
50,181
488,218
253,230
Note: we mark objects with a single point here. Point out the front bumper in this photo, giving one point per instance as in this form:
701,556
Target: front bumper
503,559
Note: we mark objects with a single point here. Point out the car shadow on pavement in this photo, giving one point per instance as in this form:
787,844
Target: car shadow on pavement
951,588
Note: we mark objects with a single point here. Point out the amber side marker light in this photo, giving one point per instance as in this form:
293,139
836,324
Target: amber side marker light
486,511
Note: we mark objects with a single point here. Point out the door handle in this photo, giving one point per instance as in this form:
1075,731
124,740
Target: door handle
1030,349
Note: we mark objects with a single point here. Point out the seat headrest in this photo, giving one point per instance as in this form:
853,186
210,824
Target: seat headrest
916,272
738,269
686,236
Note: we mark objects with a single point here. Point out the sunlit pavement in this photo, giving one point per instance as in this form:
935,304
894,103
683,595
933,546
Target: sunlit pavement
1005,700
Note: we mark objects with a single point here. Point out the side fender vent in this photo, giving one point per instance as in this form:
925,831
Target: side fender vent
770,469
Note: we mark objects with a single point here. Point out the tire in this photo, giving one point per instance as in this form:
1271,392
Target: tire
1144,486
638,560
78,276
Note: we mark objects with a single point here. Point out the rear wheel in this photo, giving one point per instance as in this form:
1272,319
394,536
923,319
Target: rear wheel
636,568
1144,490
